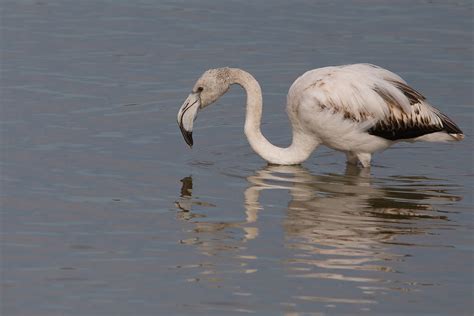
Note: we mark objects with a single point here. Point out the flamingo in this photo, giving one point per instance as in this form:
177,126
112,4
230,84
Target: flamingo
358,109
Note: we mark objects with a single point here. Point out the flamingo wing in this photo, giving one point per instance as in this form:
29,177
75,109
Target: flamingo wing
379,101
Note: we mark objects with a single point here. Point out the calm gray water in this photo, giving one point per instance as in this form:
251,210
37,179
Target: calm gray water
105,211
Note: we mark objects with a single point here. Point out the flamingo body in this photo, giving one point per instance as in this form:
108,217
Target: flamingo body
358,109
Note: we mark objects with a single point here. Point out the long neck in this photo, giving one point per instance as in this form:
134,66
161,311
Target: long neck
302,145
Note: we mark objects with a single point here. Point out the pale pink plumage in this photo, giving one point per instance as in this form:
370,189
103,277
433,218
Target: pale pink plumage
358,109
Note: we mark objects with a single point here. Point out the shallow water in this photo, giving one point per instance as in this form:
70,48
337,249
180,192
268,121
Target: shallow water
105,211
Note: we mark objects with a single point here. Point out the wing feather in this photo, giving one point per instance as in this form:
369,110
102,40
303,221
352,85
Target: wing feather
378,100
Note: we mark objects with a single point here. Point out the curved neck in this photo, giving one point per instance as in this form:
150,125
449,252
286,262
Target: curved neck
302,145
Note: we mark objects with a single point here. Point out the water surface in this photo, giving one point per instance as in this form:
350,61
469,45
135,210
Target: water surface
105,211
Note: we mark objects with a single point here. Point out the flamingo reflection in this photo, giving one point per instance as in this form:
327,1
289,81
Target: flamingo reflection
334,224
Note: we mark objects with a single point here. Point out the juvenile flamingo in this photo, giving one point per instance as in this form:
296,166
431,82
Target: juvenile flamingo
358,109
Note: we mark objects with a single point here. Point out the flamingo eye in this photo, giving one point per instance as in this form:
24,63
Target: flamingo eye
199,89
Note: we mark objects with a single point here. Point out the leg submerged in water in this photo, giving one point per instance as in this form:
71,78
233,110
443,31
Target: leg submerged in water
362,158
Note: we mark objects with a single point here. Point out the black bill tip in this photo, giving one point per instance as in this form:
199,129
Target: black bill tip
188,136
